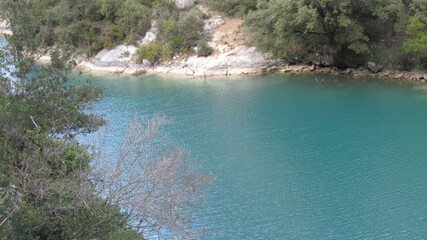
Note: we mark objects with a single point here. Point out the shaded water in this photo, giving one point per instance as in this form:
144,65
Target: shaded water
293,159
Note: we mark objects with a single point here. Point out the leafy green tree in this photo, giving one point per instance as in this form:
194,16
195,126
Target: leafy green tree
190,25
165,9
179,36
41,166
48,187
134,18
233,7
109,8
417,43
203,49
151,52
328,32
417,28
113,35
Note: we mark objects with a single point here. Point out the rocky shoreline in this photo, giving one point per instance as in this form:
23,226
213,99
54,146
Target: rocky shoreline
4,27
231,58
415,76
241,61
244,62
241,64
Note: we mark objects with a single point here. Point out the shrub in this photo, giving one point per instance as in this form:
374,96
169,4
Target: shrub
95,48
113,36
170,34
190,26
134,18
165,9
203,49
151,52
180,36
233,7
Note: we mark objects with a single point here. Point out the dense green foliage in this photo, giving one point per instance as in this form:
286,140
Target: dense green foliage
90,26
325,32
50,186
415,46
203,49
179,33
151,52
336,32
43,192
86,25
233,7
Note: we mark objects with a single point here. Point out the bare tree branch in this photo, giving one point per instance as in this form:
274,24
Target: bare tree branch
149,182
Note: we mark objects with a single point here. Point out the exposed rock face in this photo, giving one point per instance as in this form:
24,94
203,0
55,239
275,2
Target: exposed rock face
239,61
150,36
184,3
118,56
147,63
230,57
4,25
212,24
374,68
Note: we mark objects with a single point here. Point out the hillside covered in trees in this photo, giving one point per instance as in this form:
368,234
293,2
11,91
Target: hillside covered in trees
90,26
323,32
346,33
340,33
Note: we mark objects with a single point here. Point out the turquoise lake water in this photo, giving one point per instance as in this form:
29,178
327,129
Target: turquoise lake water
293,159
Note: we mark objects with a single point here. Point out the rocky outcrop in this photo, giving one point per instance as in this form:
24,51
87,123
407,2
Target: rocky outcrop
150,36
374,68
4,24
231,57
239,61
4,27
416,77
118,56
184,3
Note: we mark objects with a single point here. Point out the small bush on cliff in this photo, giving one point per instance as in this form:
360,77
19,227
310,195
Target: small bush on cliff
416,46
134,19
203,49
113,36
151,52
233,7
181,35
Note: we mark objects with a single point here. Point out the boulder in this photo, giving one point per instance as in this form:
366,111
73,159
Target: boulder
4,24
147,63
139,72
374,68
150,36
348,71
184,3
117,56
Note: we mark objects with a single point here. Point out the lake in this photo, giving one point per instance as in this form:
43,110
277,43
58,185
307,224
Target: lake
294,158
